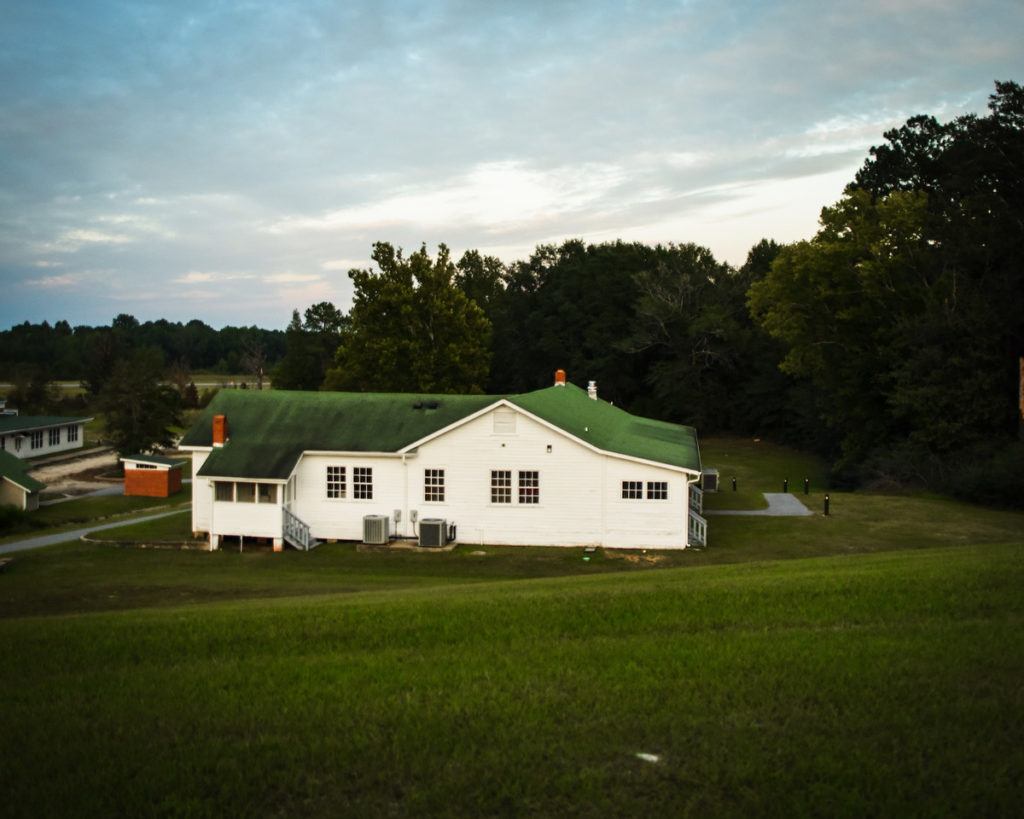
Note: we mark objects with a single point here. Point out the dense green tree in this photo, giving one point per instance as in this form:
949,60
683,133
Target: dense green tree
139,410
301,367
411,329
480,278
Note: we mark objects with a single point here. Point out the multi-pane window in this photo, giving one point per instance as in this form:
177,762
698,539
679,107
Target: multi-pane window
633,490
433,485
657,490
501,486
145,466
362,482
335,481
72,433
54,436
529,486
267,492
36,439
245,492
224,490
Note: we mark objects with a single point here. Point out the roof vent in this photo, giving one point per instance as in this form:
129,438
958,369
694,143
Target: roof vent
592,389
559,378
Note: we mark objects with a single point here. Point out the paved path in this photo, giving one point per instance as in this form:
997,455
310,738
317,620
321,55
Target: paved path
113,489
75,534
780,505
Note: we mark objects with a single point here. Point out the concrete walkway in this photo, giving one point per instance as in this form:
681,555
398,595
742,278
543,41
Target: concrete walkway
75,534
780,505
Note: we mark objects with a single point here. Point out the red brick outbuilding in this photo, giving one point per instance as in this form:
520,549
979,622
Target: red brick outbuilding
151,476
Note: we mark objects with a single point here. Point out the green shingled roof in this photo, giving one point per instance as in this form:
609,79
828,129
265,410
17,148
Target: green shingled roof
612,429
23,423
269,430
14,470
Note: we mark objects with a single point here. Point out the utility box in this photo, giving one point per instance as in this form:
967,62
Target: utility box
709,480
433,533
375,529
151,476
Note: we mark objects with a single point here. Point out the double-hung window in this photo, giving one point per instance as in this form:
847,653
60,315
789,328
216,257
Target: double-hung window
433,485
501,486
336,482
362,482
529,486
54,436
72,433
36,439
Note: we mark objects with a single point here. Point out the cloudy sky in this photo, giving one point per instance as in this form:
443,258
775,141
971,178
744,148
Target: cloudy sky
231,160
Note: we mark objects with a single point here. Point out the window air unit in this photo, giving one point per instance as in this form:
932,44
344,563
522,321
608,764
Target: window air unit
433,532
375,529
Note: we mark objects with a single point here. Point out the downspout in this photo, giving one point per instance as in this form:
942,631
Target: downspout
405,495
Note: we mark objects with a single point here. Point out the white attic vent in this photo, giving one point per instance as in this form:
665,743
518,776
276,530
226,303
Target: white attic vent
504,422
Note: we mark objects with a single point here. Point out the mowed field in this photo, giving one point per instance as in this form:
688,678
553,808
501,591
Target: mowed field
867,663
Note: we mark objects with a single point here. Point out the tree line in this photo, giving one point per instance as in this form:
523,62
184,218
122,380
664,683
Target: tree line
889,342
62,352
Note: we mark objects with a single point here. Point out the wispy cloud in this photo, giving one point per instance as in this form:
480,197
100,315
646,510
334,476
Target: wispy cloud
52,282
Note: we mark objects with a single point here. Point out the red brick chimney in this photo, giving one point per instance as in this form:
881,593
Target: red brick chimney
220,430
559,378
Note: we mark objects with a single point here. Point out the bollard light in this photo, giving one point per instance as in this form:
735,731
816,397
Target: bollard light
785,484
807,486
733,484
826,505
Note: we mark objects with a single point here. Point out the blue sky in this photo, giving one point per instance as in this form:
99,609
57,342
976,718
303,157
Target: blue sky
230,161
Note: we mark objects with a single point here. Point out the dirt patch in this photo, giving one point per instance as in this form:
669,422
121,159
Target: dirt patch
77,476
631,557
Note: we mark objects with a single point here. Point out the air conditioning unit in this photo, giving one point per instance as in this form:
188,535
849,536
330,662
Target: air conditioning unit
375,529
709,480
433,532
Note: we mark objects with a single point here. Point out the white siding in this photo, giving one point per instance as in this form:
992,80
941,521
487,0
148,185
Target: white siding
202,495
26,450
342,518
580,493
249,519
580,490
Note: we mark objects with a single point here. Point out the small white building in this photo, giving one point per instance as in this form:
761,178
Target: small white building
17,487
28,436
555,467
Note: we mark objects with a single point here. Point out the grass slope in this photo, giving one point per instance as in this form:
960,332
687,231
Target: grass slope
885,683
758,466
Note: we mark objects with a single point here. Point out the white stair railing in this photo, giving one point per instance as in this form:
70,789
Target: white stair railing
698,530
296,532
696,498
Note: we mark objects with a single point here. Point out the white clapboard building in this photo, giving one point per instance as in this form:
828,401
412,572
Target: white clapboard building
555,467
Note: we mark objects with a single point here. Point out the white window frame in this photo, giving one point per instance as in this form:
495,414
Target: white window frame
433,486
527,480
72,433
54,432
362,483
34,436
657,490
632,490
337,482
217,485
501,487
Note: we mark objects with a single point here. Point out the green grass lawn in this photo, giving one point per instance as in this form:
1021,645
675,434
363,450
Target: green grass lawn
864,663
76,513
758,466
874,684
